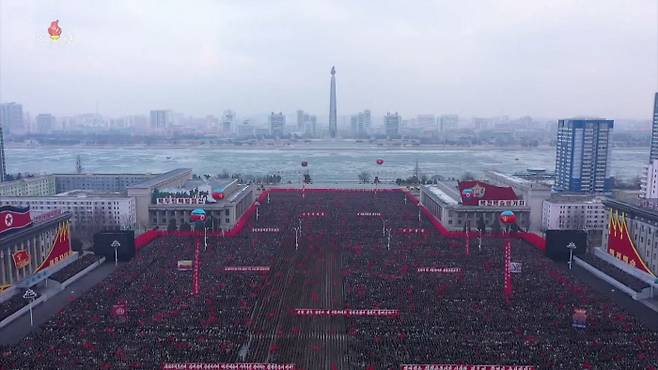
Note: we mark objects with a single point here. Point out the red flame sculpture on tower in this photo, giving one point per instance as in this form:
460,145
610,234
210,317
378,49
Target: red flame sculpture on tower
54,30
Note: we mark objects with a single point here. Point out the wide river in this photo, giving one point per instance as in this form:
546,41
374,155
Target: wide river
335,162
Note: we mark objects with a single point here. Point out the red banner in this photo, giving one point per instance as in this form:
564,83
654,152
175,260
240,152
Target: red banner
21,258
440,269
412,230
195,273
507,270
346,312
60,249
227,366
465,367
246,268
621,245
13,218
314,214
265,230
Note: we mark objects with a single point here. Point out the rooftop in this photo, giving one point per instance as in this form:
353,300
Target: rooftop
442,195
161,178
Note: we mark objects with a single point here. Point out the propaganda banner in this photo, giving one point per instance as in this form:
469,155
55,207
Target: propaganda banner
507,274
265,230
579,318
369,214
346,312
440,269
119,310
21,258
227,366
184,265
464,367
60,248
515,267
246,268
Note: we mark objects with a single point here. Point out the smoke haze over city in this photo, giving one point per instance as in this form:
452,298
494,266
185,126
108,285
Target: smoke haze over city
540,58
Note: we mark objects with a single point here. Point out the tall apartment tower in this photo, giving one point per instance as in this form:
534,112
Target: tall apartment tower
583,155
3,168
332,105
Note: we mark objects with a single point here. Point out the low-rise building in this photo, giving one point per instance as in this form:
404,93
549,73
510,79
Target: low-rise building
533,192
456,209
99,182
573,212
87,210
171,207
29,187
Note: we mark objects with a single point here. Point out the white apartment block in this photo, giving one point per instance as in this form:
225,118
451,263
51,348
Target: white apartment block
87,210
28,187
573,212
649,184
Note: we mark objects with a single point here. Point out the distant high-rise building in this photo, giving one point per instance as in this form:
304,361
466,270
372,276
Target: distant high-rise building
277,124
360,124
301,120
3,168
310,125
333,119
426,121
228,119
392,124
582,155
11,117
161,119
653,154
45,122
448,121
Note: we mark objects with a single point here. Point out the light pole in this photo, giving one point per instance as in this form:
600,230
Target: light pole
115,244
268,197
420,206
383,226
297,231
388,242
404,197
571,247
30,295
257,205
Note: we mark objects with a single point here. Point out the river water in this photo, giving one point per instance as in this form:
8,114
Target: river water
326,163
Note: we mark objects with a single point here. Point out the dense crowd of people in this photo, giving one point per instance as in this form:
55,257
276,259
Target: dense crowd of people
353,251
615,272
13,304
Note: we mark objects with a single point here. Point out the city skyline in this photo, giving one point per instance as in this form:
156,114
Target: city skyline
494,59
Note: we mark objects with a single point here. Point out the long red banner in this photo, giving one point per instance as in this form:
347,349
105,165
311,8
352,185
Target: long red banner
507,271
195,272
440,269
346,312
246,268
227,366
464,367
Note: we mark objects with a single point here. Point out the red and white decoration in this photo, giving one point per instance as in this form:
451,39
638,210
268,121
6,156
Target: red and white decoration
507,289
196,285
184,265
446,270
346,312
314,214
265,230
246,268
377,214
227,366
412,230
464,367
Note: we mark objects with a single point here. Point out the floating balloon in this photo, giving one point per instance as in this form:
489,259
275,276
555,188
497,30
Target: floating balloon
467,193
507,217
380,162
198,215
54,30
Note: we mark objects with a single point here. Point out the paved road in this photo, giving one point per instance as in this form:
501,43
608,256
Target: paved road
642,312
18,329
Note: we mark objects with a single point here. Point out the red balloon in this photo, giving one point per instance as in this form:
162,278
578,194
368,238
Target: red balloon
507,217
217,195
380,162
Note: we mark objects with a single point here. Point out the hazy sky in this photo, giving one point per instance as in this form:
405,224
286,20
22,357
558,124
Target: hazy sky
473,57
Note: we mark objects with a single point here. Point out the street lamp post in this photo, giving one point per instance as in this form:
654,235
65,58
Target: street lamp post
257,205
388,242
115,244
30,295
297,231
420,206
383,226
571,247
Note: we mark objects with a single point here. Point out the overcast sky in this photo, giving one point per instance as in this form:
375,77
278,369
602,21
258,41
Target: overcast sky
550,58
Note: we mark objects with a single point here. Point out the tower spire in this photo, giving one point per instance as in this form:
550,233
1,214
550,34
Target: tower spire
332,104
